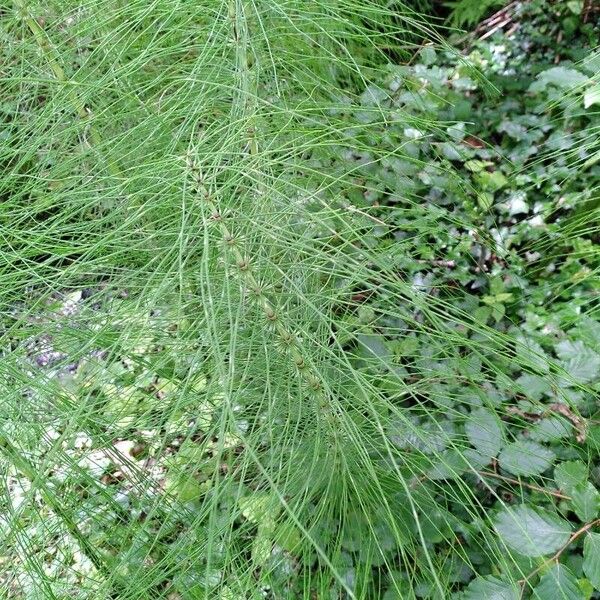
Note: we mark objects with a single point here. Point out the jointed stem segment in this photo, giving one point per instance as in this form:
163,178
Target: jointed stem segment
79,106
268,307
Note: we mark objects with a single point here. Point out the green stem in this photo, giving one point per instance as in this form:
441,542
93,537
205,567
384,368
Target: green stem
15,457
84,112
268,307
288,339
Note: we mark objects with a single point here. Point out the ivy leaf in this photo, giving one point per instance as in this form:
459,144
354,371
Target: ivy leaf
558,583
586,501
526,458
591,558
491,588
484,431
532,532
569,474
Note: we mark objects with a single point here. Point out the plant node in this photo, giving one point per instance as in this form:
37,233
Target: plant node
243,264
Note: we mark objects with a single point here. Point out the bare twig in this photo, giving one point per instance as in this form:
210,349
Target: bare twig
493,30
579,424
558,554
450,264
530,486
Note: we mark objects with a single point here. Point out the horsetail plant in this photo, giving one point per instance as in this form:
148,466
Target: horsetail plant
241,357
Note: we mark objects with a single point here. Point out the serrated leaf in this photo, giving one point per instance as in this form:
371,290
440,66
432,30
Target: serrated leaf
526,458
591,96
530,353
588,330
551,429
586,501
484,430
580,362
561,77
431,438
491,588
568,474
558,583
534,386
591,558
532,532
453,463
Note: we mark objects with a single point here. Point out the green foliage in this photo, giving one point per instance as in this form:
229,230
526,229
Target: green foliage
492,588
284,319
558,583
466,13
591,558
532,532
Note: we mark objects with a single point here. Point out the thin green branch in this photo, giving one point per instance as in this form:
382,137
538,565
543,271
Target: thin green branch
46,48
37,482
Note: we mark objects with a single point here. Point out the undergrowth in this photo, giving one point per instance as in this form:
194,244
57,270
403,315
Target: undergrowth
277,321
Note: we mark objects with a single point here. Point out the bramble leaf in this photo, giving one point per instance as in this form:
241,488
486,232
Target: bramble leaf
558,583
532,532
526,458
591,558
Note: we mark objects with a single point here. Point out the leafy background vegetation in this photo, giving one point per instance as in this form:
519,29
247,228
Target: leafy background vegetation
299,300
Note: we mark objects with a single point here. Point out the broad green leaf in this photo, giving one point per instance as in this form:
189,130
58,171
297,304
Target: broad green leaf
475,166
588,330
261,546
491,181
375,347
485,200
532,532
259,508
558,583
586,501
484,430
185,488
591,62
551,429
534,386
431,438
531,354
526,458
591,558
591,96
491,588
580,362
568,474
561,77
453,463
288,536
